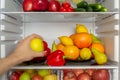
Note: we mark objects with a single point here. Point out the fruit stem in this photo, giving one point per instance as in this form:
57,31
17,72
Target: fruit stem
66,57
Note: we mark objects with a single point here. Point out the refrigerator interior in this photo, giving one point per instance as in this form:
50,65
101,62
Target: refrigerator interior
16,24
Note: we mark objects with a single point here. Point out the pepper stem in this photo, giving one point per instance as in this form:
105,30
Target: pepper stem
66,57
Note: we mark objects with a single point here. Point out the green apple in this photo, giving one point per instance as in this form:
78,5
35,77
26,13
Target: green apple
51,77
44,72
37,45
25,76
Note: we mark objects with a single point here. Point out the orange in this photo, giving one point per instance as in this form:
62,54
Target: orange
60,46
98,46
71,52
72,36
82,40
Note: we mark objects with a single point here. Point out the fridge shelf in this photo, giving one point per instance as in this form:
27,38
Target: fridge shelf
70,65
30,17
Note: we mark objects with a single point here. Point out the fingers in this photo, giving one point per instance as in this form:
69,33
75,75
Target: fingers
30,37
33,36
40,54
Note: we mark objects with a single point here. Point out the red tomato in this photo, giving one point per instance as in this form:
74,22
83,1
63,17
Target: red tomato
66,4
45,45
70,9
54,6
28,5
40,5
62,9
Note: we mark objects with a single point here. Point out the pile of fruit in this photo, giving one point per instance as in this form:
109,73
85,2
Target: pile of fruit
31,74
64,6
79,46
82,46
86,74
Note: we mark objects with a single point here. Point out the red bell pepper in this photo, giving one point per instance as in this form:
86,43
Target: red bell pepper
56,58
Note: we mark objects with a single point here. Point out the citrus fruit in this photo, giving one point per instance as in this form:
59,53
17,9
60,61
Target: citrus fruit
98,46
85,54
36,44
71,52
82,40
60,46
65,40
81,28
72,36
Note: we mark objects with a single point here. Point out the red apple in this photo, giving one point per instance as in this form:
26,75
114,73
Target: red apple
27,5
54,6
14,76
101,74
78,71
84,76
90,71
70,76
66,70
37,77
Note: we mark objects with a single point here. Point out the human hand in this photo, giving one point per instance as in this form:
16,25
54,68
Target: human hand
23,52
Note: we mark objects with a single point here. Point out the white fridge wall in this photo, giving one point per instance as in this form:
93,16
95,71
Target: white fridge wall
51,31
10,5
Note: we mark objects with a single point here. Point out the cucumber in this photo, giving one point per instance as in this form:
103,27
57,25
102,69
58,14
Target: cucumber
82,4
79,10
89,9
103,9
96,6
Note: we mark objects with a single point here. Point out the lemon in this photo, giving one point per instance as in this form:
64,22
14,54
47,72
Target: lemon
81,28
36,44
65,40
85,54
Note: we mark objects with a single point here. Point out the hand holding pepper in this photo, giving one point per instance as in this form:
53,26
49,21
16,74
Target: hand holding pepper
56,58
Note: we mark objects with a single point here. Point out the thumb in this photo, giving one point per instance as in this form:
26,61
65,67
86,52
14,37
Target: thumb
40,54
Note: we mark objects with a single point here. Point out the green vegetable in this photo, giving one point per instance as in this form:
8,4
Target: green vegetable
89,9
82,4
103,9
79,10
96,7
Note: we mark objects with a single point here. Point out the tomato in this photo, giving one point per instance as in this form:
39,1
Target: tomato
27,5
70,9
54,6
40,5
66,4
62,9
